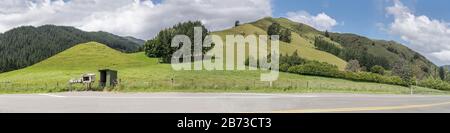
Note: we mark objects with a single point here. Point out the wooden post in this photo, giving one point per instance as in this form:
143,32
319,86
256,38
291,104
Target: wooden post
307,84
254,84
171,82
291,83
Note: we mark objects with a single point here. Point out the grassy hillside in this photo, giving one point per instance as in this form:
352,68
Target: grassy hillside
304,37
303,46
139,73
390,50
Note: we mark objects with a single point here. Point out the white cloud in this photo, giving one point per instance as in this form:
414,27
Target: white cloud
321,21
139,18
430,37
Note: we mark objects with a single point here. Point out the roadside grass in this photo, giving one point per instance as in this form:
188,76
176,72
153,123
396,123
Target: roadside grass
137,73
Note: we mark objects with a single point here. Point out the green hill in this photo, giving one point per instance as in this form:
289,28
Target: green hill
367,51
82,58
140,73
27,45
304,47
389,50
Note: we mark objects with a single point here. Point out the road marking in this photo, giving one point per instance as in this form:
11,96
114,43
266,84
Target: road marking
257,96
362,108
176,97
51,95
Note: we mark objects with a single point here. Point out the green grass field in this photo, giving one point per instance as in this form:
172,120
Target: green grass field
137,73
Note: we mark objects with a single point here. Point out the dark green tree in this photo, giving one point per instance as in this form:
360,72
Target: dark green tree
377,69
274,29
327,34
326,46
442,73
283,33
404,71
160,46
286,36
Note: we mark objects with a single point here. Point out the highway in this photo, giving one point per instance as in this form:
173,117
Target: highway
107,102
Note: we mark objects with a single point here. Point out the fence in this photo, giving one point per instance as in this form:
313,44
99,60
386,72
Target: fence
218,85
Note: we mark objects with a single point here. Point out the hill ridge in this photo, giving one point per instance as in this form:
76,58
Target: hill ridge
368,51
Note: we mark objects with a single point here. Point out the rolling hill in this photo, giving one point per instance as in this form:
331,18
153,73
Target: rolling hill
140,73
304,47
27,45
303,38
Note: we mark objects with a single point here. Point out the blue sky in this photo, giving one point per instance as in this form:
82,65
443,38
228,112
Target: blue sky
362,16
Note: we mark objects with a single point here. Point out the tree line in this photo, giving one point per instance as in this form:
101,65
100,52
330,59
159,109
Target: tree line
366,59
159,47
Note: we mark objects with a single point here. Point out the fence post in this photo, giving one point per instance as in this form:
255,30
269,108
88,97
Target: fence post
291,83
172,82
254,84
307,84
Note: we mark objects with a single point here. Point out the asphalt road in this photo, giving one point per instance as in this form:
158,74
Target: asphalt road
82,102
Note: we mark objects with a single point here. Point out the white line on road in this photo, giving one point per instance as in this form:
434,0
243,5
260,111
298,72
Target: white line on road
51,95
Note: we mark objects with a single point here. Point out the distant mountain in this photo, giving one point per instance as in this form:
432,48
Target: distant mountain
368,52
27,45
446,66
135,40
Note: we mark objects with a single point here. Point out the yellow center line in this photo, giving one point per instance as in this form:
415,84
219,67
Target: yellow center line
356,109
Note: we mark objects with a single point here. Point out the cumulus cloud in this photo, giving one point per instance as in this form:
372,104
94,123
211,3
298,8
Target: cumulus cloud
430,37
321,21
139,18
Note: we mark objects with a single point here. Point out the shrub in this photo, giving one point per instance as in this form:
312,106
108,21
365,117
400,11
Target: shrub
377,69
315,68
353,66
297,65
435,84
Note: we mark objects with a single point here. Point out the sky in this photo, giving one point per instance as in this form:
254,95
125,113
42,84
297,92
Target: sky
422,25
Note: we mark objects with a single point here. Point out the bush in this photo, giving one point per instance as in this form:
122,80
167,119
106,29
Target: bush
315,68
298,65
324,69
353,66
377,69
435,84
